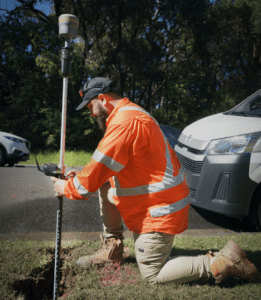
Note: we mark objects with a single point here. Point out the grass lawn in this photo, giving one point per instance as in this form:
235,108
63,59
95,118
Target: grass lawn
27,268
71,158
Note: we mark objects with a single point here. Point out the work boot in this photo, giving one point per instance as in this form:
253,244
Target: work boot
231,261
111,250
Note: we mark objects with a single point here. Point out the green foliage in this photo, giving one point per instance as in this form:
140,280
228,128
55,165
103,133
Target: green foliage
71,158
181,60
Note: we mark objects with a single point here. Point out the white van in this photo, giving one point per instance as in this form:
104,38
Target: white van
215,153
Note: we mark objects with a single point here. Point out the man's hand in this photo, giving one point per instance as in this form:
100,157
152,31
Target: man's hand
71,174
58,186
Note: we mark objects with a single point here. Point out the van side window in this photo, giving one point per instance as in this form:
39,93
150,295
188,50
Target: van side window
256,103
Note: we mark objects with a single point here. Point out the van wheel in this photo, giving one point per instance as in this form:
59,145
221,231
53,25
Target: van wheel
2,157
255,215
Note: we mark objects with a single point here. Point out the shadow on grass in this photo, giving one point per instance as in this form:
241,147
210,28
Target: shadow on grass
130,260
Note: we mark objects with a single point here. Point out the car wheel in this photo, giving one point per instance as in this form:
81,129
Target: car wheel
2,157
255,215
11,164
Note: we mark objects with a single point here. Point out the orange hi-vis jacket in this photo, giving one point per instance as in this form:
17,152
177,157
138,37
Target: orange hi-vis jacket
149,186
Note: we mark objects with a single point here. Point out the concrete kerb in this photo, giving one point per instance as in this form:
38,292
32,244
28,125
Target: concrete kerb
69,236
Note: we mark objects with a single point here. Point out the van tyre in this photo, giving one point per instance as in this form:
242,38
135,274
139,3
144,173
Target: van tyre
255,215
2,157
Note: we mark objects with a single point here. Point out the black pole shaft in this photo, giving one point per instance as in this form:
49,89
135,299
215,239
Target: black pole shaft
57,263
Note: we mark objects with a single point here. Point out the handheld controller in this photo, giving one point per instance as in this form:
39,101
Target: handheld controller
50,169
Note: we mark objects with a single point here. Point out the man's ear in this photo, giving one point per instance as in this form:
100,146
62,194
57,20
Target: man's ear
102,98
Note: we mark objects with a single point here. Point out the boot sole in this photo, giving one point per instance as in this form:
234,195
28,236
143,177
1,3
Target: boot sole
98,262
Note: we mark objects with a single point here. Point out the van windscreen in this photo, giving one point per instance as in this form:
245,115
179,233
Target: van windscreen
249,107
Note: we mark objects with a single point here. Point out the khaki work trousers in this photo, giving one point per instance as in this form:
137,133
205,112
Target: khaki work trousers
153,249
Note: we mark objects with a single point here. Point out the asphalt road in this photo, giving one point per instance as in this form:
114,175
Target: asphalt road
28,205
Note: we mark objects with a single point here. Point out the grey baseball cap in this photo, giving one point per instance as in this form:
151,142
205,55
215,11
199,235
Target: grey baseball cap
94,87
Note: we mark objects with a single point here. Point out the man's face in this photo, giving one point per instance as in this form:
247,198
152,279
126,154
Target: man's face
99,112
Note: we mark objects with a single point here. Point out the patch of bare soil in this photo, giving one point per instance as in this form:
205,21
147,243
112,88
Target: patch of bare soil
40,281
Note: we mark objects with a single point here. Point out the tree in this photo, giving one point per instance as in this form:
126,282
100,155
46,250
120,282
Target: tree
32,84
180,60
220,65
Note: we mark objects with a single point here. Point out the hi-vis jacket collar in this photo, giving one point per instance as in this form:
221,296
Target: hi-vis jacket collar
121,103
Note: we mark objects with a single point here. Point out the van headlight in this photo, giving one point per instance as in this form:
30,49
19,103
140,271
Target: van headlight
233,145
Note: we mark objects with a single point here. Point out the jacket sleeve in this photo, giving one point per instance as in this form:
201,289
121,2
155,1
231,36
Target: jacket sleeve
111,156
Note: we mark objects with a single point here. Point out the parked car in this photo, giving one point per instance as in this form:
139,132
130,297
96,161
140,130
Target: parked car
13,149
215,153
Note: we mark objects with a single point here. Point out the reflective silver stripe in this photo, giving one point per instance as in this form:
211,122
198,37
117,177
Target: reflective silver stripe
167,182
169,209
116,183
82,191
107,161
